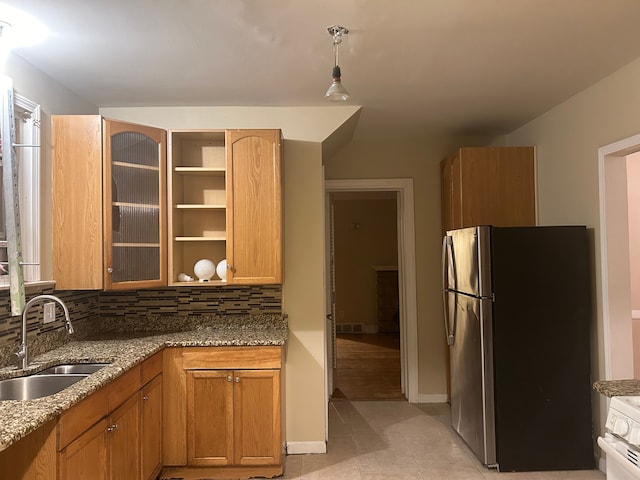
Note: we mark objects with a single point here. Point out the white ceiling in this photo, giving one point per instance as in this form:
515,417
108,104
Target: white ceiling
417,67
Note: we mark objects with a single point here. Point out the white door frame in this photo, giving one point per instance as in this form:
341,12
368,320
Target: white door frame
616,312
406,269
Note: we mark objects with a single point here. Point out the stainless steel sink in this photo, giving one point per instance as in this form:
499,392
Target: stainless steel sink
84,368
36,386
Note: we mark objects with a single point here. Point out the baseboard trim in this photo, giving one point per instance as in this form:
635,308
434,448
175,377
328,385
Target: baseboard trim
434,398
301,448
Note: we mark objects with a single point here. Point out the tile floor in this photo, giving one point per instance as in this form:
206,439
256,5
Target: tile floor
395,440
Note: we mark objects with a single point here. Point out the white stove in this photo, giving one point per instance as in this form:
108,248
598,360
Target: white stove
621,443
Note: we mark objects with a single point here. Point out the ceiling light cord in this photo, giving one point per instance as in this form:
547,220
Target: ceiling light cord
336,92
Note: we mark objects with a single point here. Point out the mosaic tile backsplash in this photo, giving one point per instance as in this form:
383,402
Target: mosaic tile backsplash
141,309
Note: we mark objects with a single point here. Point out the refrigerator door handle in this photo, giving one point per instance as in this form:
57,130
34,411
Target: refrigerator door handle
448,259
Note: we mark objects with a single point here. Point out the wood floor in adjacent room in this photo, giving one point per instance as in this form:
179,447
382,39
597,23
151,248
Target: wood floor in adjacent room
368,367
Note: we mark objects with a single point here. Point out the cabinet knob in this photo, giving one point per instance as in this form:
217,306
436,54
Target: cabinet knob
146,397
237,379
109,270
112,427
229,267
229,378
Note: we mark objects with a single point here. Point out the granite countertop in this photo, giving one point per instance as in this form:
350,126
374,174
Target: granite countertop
617,388
123,351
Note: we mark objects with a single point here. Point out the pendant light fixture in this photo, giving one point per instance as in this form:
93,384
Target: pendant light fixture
336,92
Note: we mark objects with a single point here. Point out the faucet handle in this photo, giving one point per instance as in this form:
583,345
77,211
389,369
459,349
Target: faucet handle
18,357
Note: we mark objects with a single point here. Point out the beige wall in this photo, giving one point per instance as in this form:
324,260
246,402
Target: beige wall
567,139
418,159
365,236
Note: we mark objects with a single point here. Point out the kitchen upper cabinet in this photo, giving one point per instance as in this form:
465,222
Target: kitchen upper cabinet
254,207
488,186
225,198
223,412
109,204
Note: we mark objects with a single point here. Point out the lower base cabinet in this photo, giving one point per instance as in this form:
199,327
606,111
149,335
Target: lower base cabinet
191,413
123,441
33,457
109,450
115,433
151,445
233,417
86,456
230,418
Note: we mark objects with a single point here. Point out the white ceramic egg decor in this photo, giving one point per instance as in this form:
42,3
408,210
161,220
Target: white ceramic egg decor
221,270
204,269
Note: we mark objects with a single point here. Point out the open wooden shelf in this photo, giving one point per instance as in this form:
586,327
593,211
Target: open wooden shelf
197,195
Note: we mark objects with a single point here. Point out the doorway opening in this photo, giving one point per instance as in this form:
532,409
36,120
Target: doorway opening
366,296
402,191
619,178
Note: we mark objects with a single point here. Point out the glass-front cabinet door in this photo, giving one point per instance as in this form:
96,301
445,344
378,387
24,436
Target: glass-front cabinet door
134,201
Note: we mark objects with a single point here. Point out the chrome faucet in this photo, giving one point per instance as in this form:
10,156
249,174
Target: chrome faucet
22,354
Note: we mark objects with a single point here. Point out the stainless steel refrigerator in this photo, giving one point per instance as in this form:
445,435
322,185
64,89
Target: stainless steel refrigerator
517,311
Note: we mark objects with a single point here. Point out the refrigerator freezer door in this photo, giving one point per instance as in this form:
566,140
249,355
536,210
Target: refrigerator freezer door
472,403
468,261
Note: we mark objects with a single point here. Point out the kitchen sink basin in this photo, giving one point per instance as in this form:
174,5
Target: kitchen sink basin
83,368
36,386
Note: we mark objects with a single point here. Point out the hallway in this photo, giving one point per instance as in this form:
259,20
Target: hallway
395,440
368,367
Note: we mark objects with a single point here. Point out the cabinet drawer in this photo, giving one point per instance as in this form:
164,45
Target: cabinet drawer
82,416
228,358
152,367
123,387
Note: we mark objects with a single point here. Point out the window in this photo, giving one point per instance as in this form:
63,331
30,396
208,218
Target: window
27,125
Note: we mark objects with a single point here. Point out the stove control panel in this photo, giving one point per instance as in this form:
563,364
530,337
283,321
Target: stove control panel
623,419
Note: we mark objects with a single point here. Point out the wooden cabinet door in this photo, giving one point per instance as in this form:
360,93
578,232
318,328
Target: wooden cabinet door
86,456
256,411
488,186
151,429
209,417
124,441
109,204
33,457
77,201
497,186
254,206
134,186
